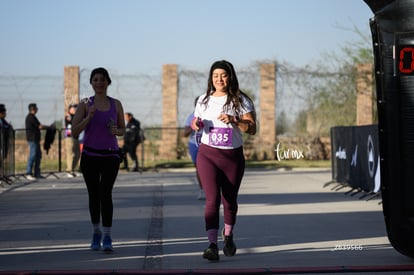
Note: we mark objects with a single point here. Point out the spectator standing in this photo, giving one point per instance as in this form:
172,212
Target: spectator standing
5,128
102,119
33,127
72,144
132,138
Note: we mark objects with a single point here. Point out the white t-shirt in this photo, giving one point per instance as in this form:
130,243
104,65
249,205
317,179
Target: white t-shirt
215,132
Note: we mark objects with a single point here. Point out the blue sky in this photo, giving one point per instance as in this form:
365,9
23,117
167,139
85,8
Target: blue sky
134,36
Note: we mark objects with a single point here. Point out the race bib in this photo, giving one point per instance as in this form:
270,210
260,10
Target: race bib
220,137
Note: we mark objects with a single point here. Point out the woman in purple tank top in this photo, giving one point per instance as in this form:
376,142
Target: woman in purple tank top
102,119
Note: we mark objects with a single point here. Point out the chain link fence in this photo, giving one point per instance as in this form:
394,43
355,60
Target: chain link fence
141,94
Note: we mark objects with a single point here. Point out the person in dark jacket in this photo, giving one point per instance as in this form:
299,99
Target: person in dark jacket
6,129
33,127
132,139
6,139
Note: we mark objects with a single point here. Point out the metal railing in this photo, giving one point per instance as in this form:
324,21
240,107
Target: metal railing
15,150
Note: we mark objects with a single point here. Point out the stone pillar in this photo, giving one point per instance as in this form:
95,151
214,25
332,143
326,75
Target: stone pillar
71,86
169,111
267,120
364,104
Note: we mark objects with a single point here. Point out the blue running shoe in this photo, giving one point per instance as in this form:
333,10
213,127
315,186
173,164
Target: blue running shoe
107,244
96,241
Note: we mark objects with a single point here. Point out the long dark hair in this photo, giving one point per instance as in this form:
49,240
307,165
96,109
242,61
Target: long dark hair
234,94
101,71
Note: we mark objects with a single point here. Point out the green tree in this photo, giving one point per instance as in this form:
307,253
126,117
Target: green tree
330,86
299,126
282,123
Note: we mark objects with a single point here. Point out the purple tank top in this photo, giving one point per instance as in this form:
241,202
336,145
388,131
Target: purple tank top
98,135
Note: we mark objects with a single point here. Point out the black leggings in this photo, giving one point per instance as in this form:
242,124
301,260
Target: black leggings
100,174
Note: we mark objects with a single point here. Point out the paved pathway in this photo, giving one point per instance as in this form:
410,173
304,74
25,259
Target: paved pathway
289,221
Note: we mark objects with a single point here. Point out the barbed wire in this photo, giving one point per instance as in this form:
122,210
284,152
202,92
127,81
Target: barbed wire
141,94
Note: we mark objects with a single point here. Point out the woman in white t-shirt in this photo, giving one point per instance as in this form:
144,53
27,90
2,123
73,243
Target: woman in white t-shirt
222,113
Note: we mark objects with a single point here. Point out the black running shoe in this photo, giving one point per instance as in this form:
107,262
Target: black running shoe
229,248
211,253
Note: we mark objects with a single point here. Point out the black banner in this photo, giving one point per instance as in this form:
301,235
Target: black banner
355,157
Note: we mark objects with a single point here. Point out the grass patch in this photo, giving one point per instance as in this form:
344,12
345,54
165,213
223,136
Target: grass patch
267,164
289,164
47,165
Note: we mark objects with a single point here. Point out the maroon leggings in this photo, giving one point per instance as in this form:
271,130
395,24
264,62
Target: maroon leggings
221,172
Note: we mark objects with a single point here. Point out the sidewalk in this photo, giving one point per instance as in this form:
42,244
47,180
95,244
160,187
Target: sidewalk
288,222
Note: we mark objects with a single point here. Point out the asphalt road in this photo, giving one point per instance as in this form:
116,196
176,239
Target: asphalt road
288,222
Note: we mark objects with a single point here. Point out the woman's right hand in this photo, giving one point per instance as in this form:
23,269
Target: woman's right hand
194,125
82,117
197,124
91,111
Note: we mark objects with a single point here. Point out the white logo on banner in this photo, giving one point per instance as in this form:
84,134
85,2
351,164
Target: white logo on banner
377,177
370,152
341,153
354,157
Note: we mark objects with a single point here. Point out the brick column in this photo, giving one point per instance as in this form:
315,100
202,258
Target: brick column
364,104
267,127
169,111
71,86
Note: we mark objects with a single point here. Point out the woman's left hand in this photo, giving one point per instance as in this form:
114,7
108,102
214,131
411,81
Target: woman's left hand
114,130
225,118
